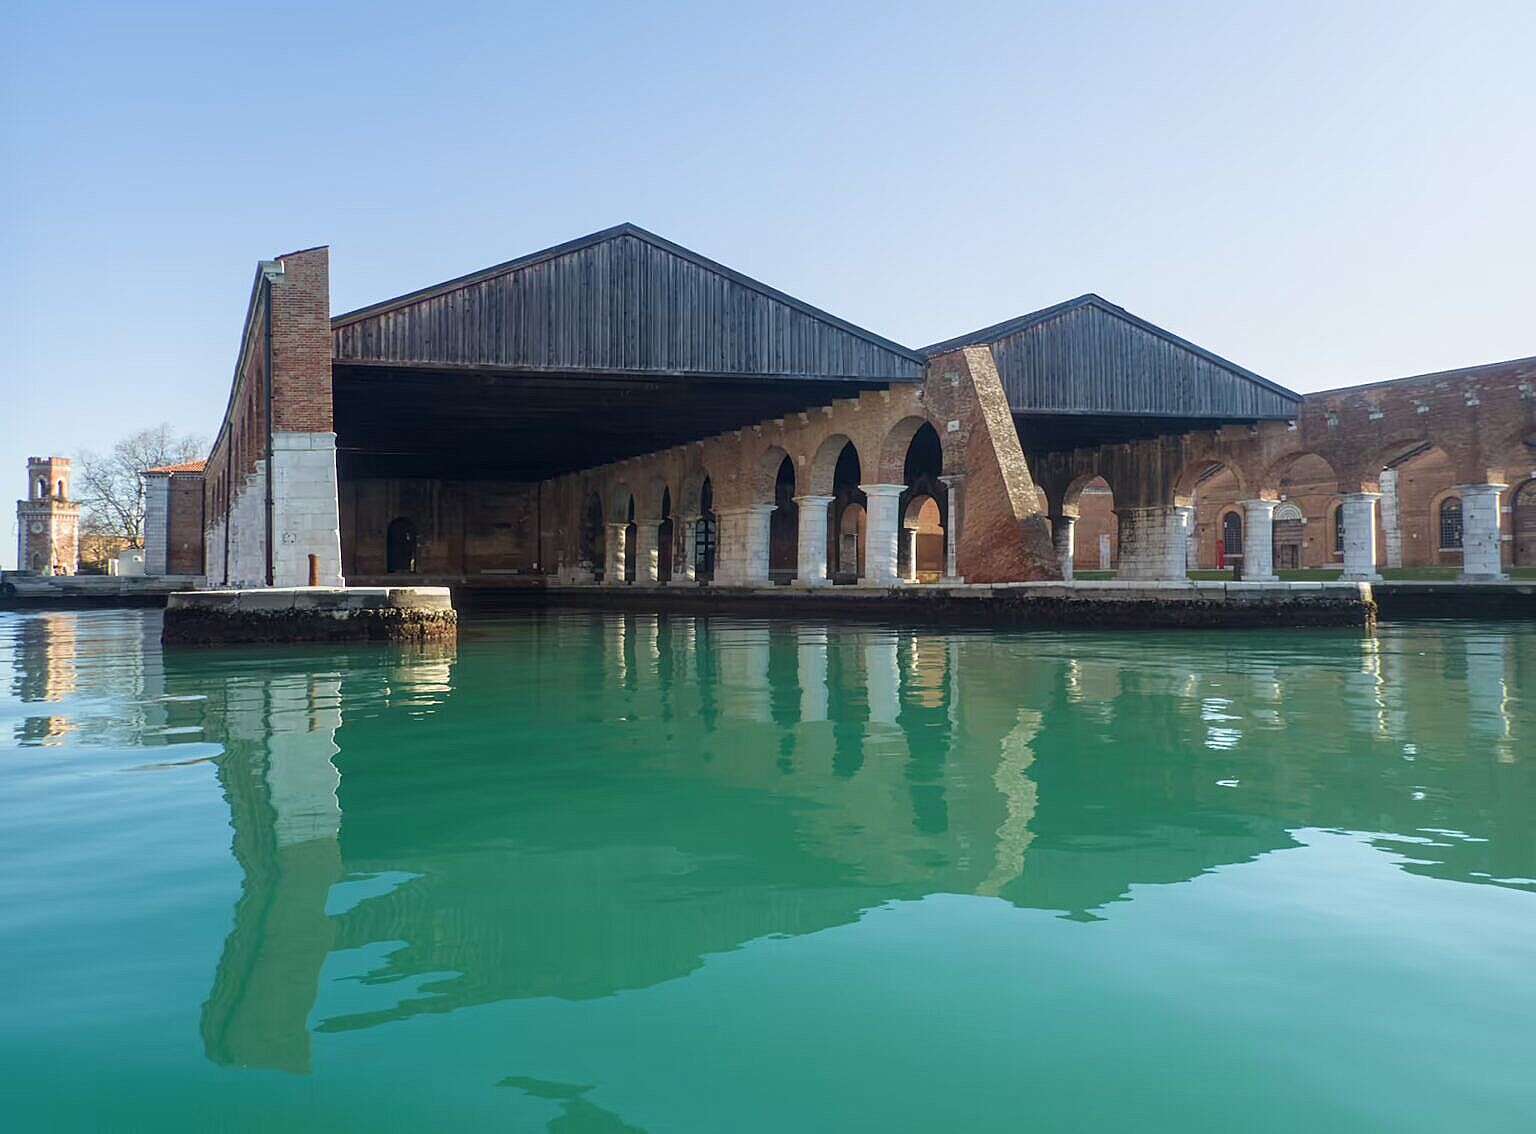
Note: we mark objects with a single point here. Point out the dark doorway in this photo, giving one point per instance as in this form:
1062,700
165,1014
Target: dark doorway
704,535
400,547
783,526
664,538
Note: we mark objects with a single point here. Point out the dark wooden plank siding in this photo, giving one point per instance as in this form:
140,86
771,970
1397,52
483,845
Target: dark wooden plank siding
1087,360
621,304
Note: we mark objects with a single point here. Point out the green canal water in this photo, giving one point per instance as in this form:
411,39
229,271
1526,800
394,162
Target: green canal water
601,872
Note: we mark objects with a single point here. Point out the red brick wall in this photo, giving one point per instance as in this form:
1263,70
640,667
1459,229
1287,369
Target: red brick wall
184,525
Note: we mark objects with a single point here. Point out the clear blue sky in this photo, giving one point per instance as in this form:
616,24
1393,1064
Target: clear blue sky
1326,193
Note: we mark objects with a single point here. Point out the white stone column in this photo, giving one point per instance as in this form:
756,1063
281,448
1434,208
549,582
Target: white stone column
909,537
1259,541
1064,539
741,556
811,559
618,539
954,490
1359,514
884,518
157,523
1152,542
306,515
1179,538
684,570
1391,519
647,553
1480,531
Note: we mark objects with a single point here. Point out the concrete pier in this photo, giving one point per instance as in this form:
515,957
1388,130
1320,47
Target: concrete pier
310,614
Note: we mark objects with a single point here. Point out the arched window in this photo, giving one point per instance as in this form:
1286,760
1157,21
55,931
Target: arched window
42,488
1232,534
1450,524
1338,529
1287,513
61,490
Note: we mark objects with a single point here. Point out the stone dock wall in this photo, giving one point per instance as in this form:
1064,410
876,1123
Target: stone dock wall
1112,604
310,614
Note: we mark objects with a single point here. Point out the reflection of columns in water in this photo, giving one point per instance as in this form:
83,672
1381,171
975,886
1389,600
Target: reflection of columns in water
1365,691
882,677
743,655
1488,716
1020,799
812,667
280,781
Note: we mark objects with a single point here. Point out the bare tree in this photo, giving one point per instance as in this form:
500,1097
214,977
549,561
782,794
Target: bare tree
110,488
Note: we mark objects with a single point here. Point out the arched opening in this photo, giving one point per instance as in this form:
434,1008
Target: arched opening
923,542
1212,489
37,563
1523,517
1096,532
629,541
705,534
61,490
847,518
1419,515
1231,546
1288,529
1308,484
783,525
591,538
664,537
851,524
922,526
42,488
400,546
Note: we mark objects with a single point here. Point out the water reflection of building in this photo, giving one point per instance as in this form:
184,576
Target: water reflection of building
44,671
615,798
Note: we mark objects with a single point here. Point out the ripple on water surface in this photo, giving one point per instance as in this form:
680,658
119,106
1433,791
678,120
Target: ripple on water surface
618,872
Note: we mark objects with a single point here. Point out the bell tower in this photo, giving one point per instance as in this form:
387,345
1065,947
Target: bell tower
48,520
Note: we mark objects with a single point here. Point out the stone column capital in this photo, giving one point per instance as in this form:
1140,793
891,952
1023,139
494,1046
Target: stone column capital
747,510
1259,504
814,500
1364,496
884,490
952,480
1488,488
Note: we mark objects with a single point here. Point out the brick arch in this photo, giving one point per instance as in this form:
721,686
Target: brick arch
890,466
1198,469
649,500
619,499
1074,490
690,501
768,465
824,463
1275,471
